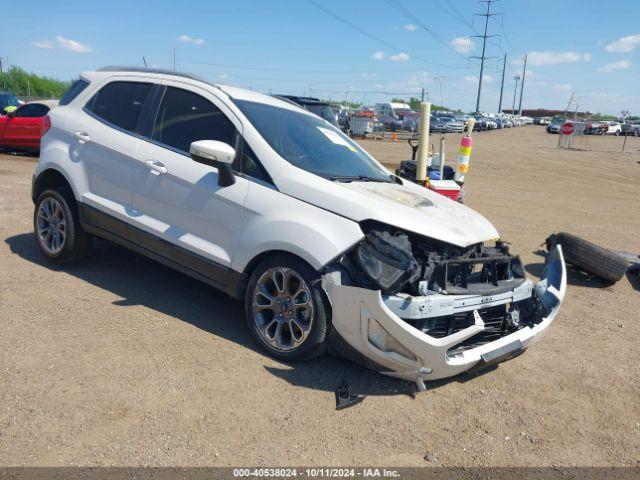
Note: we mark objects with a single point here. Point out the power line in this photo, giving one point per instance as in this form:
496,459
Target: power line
506,36
376,38
484,46
397,6
291,70
456,15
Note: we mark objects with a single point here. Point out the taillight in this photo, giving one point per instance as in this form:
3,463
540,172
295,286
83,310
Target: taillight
46,124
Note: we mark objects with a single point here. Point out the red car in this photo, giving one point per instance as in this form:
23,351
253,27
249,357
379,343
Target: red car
23,128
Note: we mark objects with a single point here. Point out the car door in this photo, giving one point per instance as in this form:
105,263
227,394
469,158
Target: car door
26,127
179,210
103,144
18,125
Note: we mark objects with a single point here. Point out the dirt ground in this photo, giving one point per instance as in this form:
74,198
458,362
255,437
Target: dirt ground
120,361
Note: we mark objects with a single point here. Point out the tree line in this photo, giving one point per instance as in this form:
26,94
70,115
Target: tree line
30,86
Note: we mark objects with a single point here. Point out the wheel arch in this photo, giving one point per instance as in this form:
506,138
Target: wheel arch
50,177
255,261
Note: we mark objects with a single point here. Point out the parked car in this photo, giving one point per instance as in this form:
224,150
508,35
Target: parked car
449,124
595,128
613,128
392,115
630,129
22,128
491,124
8,99
273,205
555,125
438,124
314,105
481,125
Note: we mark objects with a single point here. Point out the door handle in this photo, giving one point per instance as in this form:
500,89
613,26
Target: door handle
82,137
157,168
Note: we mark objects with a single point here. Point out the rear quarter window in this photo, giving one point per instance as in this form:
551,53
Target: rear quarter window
74,90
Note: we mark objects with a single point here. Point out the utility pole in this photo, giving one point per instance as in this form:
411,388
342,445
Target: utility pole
422,96
515,91
440,80
484,46
524,73
504,65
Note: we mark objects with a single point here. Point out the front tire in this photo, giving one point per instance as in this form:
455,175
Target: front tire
57,226
286,309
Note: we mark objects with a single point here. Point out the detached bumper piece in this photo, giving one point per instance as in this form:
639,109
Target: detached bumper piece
439,335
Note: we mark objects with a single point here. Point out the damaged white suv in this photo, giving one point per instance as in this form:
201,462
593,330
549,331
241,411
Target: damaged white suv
271,204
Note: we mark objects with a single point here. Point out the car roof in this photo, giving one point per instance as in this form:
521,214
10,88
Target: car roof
236,93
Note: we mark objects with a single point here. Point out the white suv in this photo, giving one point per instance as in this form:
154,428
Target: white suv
271,204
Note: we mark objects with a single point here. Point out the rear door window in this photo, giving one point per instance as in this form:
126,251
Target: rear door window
185,117
120,103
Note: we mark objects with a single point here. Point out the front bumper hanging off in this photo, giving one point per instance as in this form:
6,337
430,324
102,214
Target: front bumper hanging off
371,324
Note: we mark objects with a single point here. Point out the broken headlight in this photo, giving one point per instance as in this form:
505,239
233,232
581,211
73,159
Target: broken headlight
386,260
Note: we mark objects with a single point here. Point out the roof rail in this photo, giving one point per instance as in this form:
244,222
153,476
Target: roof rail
121,68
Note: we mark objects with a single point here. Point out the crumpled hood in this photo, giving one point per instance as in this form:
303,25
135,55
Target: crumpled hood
408,206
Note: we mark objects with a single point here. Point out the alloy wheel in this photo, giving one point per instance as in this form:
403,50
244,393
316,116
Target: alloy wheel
282,308
51,226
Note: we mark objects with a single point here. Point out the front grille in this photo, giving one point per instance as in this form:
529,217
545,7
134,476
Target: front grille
495,326
497,323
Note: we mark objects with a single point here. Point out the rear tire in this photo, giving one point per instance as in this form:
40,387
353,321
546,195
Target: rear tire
56,223
286,309
589,257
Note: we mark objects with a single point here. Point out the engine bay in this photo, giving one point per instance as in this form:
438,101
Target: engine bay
396,261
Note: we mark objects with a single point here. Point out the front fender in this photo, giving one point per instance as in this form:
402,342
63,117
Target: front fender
275,221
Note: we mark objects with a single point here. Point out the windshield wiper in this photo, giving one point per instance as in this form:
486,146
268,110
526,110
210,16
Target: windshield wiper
357,178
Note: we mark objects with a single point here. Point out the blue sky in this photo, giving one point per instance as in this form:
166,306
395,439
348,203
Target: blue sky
292,46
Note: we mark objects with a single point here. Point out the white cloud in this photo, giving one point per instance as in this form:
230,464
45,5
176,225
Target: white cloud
542,59
624,44
619,65
379,55
462,44
562,87
72,45
223,76
188,39
410,26
399,57
44,44
474,79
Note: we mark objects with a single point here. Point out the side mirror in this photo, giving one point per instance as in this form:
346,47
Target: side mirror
216,154
12,114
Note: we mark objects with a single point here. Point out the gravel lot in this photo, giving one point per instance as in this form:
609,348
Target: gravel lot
120,361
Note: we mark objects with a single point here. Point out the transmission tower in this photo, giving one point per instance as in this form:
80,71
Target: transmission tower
484,37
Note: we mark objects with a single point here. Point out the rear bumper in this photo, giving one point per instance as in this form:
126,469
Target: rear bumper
366,321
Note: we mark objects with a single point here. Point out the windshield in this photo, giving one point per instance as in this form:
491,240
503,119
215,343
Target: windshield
312,144
8,100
